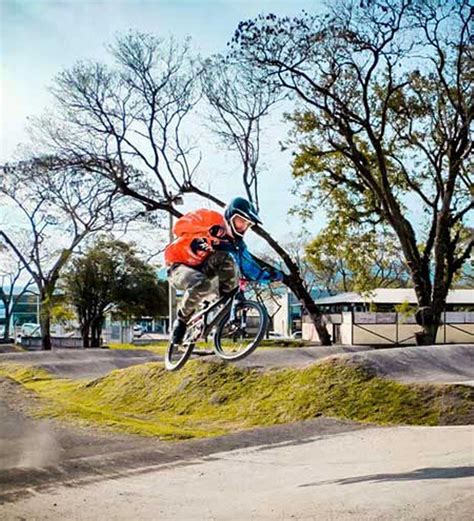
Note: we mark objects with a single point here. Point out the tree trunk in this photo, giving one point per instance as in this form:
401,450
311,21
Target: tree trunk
6,335
45,319
85,331
45,323
6,332
429,318
296,283
96,329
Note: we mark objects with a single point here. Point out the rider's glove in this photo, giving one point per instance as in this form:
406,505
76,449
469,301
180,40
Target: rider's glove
198,245
222,241
279,276
275,275
217,231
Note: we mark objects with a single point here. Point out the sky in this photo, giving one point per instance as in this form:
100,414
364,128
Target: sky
39,38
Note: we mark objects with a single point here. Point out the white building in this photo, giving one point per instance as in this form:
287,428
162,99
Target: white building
351,321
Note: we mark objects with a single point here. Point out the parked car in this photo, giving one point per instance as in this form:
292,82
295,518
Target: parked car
28,329
296,334
138,330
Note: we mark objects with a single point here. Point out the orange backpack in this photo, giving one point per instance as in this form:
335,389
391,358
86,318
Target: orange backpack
190,226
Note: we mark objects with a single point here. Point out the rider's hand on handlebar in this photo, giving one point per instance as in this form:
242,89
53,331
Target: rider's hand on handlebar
275,274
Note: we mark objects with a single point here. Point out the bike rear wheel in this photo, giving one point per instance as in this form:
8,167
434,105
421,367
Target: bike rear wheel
236,337
177,355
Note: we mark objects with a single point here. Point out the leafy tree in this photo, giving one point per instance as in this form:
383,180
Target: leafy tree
110,277
464,279
56,207
348,259
386,102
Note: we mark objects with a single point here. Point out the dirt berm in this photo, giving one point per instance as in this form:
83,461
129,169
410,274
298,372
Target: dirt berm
437,364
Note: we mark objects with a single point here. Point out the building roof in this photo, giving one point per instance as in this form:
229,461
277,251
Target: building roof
394,296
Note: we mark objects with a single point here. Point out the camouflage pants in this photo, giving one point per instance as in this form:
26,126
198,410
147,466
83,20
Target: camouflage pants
198,283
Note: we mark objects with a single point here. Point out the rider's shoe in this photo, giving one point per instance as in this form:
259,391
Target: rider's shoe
179,330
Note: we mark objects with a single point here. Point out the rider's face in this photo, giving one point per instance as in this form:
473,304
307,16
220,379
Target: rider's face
241,224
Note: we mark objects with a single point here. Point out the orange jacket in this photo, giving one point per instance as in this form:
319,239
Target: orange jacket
193,225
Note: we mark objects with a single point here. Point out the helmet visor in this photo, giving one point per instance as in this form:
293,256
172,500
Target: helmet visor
240,224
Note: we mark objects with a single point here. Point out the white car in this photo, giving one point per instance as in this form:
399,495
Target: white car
28,329
138,330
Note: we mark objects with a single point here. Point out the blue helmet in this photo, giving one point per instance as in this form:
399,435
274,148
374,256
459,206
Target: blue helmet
243,208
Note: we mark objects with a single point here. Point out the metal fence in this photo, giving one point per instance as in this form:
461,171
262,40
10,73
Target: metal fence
365,325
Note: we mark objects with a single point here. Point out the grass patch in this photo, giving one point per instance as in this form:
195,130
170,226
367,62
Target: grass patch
207,399
159,347
284,342
11,348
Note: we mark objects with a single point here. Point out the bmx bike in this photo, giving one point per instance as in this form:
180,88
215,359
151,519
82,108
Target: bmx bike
239,326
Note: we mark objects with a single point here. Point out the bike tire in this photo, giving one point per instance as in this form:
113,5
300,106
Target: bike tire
253,344
172,364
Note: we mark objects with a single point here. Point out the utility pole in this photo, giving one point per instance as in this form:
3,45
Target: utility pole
171,291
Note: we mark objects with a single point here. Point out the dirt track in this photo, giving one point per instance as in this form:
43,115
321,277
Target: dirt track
441,364
372,474
38,454
321,469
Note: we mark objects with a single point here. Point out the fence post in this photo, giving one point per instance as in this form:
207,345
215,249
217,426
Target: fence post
352,325
396,327
444,324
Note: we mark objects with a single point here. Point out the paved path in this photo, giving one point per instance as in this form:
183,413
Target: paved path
82,363
399,473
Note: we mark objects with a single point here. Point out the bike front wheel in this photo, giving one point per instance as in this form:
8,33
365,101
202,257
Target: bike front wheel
239,333
177,355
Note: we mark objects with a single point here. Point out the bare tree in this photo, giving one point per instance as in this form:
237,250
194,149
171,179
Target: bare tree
128,124
240,97
238,102
386,105
59,208
12,286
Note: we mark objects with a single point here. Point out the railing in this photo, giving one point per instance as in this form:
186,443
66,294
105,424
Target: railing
366,325
34,343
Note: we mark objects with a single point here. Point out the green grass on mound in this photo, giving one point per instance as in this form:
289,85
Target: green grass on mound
159,346
207,399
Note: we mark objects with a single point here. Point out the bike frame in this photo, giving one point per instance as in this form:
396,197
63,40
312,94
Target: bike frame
227,301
